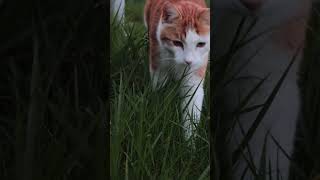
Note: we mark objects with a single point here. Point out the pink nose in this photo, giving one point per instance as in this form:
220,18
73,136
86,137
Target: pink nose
252,5
188,62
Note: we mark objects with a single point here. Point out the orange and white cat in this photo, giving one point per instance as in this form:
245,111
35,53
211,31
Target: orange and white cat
179,41
284,24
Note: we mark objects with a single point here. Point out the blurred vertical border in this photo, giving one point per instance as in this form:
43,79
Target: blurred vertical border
54,76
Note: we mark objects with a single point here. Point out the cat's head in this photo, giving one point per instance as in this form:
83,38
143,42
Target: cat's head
184,33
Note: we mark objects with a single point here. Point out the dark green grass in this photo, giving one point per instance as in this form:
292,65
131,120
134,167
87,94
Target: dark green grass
306,154
53,77
146,129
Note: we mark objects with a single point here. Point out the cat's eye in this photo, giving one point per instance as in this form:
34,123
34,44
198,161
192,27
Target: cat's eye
201,44
177,43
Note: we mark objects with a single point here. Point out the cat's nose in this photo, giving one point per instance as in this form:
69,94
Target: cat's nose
188,62
252,5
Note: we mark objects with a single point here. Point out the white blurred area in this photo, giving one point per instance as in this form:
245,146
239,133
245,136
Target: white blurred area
117,9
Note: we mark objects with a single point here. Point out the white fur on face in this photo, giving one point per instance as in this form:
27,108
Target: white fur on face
189,52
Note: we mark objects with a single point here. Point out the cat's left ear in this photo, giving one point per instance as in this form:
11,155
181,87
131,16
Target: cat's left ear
204,16
169,13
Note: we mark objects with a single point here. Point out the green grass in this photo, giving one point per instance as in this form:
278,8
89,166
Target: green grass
53,81
146,133
146,129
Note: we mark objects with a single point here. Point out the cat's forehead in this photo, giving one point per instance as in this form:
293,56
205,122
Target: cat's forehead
193,37
176,31
181,17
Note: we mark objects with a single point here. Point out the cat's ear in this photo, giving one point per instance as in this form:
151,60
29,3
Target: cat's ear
169,13
204,16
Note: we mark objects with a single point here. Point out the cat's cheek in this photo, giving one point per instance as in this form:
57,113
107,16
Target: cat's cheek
169,51
205,55
179,56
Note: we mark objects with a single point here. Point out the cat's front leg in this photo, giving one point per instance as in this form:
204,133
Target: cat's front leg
192,93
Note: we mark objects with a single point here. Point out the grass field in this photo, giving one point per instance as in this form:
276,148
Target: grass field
146,130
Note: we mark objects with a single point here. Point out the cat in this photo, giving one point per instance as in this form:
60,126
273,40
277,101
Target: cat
179,41
118,9
284,24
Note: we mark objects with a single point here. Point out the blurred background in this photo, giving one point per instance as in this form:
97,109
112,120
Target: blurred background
53,89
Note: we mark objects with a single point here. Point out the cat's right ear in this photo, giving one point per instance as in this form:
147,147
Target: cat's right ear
204,16
169,13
